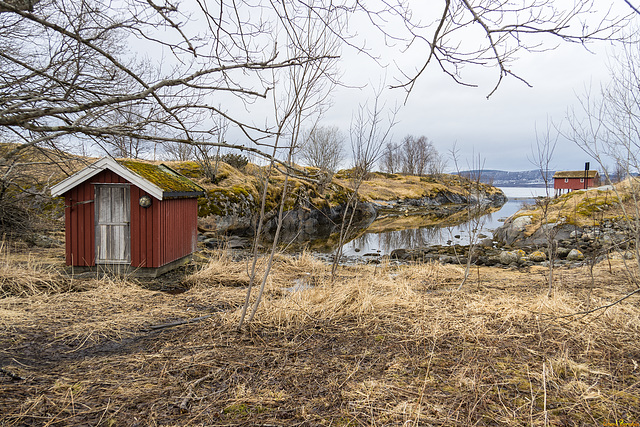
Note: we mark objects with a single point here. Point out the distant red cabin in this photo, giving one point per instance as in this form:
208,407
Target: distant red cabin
129,216
564,181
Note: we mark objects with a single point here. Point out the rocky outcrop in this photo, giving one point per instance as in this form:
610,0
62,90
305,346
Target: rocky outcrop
493,256
233,211
303,224
447,199
516,232
228,211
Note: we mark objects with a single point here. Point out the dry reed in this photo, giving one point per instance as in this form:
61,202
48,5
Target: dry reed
384,345
29,277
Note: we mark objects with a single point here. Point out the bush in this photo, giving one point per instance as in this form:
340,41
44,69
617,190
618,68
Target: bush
238,161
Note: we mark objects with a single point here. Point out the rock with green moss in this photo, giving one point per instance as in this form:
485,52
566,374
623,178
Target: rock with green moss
537,256
508,257
575,255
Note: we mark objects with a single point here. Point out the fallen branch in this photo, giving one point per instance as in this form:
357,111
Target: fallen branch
184,405
11,375
179,322
602,307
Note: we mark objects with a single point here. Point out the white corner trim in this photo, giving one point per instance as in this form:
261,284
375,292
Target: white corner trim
97,167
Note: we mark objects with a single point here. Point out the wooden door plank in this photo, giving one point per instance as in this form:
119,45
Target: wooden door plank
113,237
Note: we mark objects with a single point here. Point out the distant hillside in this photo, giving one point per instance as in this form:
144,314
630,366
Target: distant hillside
497,178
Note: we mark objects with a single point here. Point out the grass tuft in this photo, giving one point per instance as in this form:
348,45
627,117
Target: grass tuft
382,345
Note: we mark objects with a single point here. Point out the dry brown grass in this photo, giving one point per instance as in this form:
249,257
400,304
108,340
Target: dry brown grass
385,345
392,187
26,275
586,207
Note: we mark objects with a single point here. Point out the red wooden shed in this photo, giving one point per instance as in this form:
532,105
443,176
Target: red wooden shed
564,181
129,216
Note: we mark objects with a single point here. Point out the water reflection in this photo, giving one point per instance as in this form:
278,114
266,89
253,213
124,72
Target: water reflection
387,241
411,228
395,232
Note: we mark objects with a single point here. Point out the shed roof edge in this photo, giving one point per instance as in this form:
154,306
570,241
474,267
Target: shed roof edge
97,167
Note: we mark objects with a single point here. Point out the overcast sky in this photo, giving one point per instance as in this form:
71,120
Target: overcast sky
502,129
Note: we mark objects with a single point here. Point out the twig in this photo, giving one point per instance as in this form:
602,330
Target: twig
544,385
179,322
11,375
184,405
602,307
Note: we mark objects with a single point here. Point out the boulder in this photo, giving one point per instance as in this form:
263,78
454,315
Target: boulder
486,243
538,256
576,234
512,230
575,255
562,252
508,257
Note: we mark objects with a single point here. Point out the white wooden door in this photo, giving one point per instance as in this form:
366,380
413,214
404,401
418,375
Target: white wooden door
113,236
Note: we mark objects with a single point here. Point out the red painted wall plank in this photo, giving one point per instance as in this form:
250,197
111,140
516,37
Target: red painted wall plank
162,233
572,184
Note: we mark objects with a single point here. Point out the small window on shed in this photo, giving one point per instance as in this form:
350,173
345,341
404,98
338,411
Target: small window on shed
581,179
566,180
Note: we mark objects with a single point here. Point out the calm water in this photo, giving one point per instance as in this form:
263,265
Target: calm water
385,242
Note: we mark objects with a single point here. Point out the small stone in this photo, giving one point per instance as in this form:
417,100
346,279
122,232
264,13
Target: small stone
398,254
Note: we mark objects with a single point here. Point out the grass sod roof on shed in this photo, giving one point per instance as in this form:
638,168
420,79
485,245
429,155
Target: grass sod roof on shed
575,174
172,183
160,181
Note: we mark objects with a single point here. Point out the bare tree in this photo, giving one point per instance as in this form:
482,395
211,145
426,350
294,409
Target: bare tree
65,65
304,96
208,155
323,148
438,164
608,128
412,156
409,155
541,157
471,183
465,33
416,155
619,172
122,145
390,161
68,73
370,133
68,70
178,151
